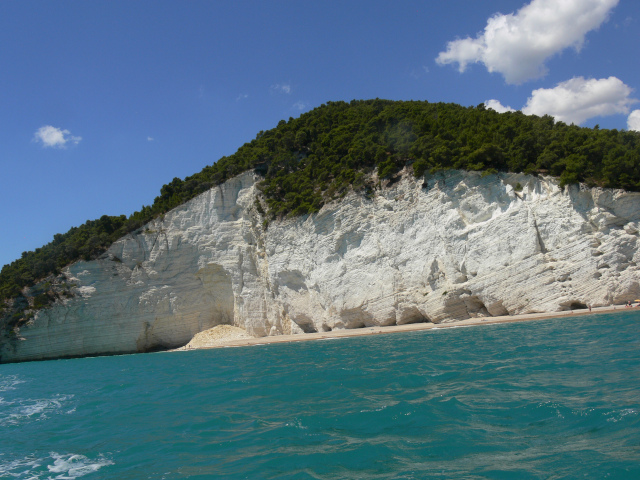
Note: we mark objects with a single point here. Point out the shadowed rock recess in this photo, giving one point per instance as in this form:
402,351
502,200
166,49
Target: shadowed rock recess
446,247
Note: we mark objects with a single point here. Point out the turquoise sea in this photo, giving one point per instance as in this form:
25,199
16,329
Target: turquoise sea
557,398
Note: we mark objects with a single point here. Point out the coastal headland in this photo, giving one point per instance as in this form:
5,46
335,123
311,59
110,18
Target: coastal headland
317,227
453,249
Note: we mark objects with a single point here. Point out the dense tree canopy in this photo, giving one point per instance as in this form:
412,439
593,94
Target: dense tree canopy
322,154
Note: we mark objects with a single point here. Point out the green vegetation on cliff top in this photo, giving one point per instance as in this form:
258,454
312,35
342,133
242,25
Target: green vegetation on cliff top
322,154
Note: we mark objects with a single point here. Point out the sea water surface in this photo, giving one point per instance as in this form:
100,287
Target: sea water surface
555,398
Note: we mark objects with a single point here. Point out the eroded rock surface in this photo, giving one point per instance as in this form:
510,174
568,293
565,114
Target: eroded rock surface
453,246
218,335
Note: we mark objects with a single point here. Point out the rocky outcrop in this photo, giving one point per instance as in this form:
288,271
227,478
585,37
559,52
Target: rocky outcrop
451,246
216,336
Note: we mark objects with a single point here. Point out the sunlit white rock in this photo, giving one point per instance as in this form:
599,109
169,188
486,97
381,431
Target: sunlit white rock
458,245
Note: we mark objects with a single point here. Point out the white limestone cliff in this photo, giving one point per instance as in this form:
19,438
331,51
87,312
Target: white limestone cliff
458,245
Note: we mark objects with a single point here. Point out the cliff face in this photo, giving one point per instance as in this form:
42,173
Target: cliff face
458,245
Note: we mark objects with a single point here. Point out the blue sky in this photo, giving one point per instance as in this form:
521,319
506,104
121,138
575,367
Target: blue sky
104,102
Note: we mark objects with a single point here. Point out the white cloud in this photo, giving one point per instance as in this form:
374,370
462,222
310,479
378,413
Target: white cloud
497,106
55,137
150,139
579,99
281,88
627,22
300,105
633,122
518,44
418,73
242,96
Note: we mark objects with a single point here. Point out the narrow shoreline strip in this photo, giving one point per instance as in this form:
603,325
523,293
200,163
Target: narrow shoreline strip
411,327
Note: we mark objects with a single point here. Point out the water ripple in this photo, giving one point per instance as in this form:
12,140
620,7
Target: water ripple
550,399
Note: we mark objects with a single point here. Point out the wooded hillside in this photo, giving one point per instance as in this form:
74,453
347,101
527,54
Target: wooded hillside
322,154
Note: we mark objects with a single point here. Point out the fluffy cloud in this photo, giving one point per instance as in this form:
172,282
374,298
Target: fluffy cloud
633,122
281,88
497,106
579,99
55,137
517,45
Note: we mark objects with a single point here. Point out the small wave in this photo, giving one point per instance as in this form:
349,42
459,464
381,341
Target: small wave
9,382
33,410
447,326
616,416
379,409
63,467
72,466
297,424
18,468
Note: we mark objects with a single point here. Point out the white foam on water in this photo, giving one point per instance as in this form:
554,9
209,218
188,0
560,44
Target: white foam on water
65,467
72,466
18,468
2,402
618,415
9,382
34,409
